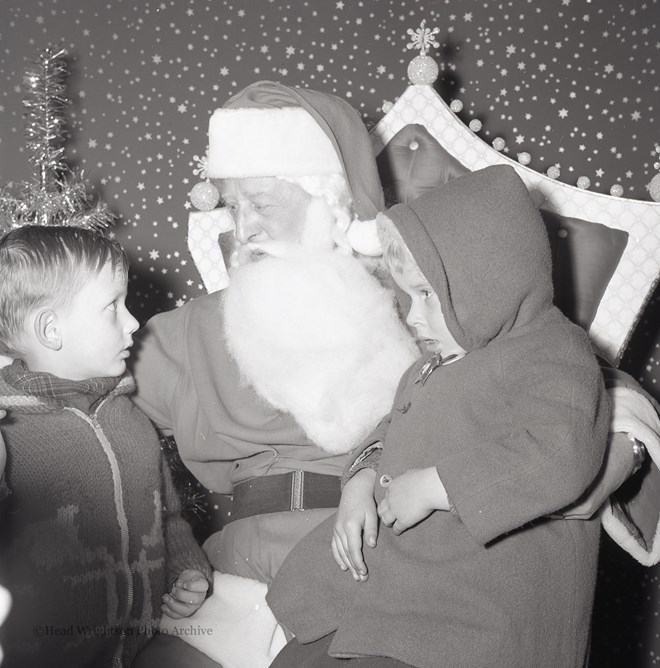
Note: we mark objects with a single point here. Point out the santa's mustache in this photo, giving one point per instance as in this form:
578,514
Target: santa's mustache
253,251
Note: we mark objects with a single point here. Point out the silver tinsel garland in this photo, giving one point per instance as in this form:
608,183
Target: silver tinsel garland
57,195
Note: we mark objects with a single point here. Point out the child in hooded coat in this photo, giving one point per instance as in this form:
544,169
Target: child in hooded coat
515,425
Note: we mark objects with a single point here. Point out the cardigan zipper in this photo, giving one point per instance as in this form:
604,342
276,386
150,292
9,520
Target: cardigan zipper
121,518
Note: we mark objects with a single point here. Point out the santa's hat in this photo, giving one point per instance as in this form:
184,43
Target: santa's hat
269,129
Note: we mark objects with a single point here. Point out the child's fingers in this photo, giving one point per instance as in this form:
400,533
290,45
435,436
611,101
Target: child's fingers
342,556
354,552
197,584
187,597
170,613
386,515
171,604
339,546
398,527
337,555
371,528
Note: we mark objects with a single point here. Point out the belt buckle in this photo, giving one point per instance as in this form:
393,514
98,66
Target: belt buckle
297,487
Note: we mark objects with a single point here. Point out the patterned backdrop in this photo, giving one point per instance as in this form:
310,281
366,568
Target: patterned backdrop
572,82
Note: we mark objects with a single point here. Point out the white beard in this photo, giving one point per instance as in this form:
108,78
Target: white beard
318,337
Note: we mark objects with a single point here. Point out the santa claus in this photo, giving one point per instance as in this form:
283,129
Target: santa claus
268,385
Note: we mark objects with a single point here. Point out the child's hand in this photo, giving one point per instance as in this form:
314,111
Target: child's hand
188,593
356,517
411,497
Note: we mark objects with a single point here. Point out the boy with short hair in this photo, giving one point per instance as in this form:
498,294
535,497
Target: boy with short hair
91,534
501,424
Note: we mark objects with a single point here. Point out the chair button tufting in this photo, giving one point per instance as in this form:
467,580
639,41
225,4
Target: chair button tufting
562,234
413,146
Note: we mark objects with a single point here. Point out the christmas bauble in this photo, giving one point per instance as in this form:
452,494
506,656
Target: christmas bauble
204,196
422,70
654,188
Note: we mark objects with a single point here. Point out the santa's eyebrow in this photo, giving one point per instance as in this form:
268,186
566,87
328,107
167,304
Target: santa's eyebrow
258,194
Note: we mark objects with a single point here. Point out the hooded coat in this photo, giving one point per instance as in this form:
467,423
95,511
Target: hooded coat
516,430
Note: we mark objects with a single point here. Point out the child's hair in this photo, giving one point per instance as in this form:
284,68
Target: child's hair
396,255
46,266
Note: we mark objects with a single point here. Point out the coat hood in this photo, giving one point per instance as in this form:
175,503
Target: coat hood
481,243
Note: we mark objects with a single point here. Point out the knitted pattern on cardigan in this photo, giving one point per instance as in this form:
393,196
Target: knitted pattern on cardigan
91,531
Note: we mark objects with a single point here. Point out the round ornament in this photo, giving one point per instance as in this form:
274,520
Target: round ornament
204,196
475,125
456,106
616,190
553,172
654,188
499,144
583,182
422,70
524,158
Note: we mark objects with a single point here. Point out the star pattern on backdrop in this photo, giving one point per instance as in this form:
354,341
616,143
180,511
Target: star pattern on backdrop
573,83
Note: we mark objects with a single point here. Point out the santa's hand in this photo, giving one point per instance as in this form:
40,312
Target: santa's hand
617,466
410,498
186,595
356,521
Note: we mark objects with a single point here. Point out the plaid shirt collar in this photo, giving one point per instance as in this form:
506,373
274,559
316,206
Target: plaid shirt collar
82,394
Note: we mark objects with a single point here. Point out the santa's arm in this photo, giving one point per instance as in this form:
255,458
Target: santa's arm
157,365
632,514
367,454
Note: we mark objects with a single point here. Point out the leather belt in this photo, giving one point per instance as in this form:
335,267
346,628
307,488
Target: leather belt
297,490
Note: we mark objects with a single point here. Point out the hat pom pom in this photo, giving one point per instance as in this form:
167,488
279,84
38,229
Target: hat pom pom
362,236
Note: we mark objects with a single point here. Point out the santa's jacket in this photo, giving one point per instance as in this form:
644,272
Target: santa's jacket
92,536
516,430
306,374
190,386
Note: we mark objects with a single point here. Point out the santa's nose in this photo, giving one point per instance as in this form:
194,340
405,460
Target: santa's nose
247,229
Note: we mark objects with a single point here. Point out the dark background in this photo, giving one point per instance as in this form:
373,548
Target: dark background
573,82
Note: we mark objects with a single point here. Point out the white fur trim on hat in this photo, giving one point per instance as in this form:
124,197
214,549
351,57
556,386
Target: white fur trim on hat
254,142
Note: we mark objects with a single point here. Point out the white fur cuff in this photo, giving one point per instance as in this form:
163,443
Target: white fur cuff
633,413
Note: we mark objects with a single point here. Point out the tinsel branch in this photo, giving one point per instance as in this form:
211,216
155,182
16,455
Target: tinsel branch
45,104
56,195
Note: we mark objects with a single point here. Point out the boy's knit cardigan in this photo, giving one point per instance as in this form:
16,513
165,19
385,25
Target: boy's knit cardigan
92,535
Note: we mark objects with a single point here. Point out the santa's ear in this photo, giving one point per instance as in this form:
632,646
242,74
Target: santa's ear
47,329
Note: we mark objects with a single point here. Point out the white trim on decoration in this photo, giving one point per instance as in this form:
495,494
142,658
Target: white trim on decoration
204,227
638,271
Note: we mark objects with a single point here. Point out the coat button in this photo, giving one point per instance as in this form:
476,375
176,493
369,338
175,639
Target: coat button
385,480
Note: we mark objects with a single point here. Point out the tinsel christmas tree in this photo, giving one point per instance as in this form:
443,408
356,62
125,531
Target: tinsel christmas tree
57,194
